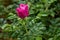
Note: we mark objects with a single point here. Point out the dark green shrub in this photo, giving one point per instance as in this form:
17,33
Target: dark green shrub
43,22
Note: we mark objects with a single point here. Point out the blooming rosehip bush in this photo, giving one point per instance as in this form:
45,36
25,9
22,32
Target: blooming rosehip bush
30,20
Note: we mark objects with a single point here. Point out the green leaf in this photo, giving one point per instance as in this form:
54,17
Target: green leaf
38,38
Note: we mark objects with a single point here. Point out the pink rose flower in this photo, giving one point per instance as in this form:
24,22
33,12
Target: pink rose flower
22,11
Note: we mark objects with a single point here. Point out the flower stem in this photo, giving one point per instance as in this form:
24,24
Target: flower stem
25,25
26,29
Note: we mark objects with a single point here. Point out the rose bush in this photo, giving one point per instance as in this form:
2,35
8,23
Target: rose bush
43,22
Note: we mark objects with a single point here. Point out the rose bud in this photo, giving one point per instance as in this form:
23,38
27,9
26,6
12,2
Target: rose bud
22,11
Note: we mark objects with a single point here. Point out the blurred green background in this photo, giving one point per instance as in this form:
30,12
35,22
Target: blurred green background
43,22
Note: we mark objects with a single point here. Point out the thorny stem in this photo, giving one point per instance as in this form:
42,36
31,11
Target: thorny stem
26,29
54,38
25,25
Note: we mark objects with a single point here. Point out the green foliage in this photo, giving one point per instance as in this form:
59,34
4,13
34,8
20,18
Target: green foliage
43,22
